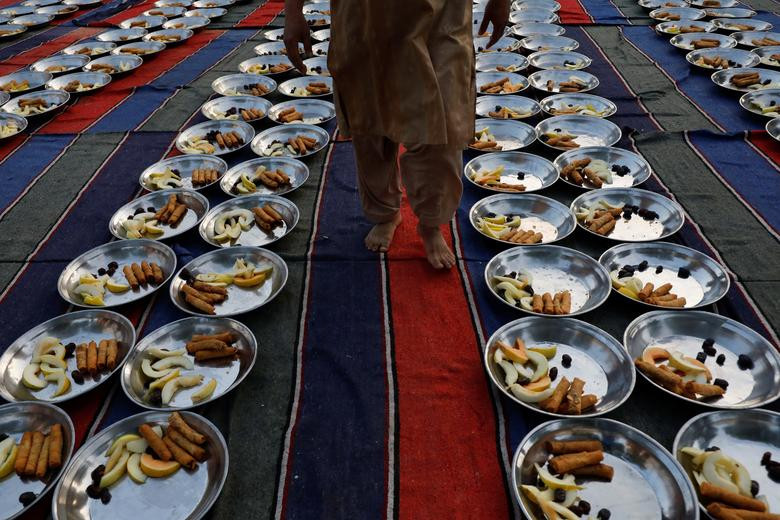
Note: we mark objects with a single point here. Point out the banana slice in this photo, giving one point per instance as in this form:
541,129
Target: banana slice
148,371
173,385
161,353
175,361
205,392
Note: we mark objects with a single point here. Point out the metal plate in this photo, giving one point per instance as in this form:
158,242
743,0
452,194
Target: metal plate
208,4
187,22
128,61
149,48
82,3
77,327
559,60
484,78
686,331
317,21
217,107
773,128
15,419
149,22
476,25
764,55
554,269
538,173
640,169
533,14
707,283
57,10
540,214
17,10
504,44
295,169
16,28
574,100
21,123
539,42
182,34
95,48
685,13
539,79
511,62
240,300
186,164
730,24
34,79
39,3
243,129
752,101
173,336
173,3
210,13
321,49
56,99
254,236
317,66
233,84
744,435
315,111
730,12
768,79
670,215
98,80
197,207
589,131
322,35
510,134
655,4
524,29
549,5
184,495
284,132
122,252
317,8
166,11
523,105
745,38
708,3
674,27
597,358
71,63
261,64
273,48
648,481
685,41
33,20
274,35
292,86
740,57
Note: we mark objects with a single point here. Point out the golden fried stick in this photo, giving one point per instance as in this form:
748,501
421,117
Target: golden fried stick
602,471
711,492
574,396
190,447
155,442
35,453
92,358
227,337
112,354
23,453
561,464
55,446
199,304
564,447
43,459
81,357
147,270
102,355
204,355
138,273
181,456
552,403
130,277
158,274
206,344
177,421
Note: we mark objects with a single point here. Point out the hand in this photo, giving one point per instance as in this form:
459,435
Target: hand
296,31
497,13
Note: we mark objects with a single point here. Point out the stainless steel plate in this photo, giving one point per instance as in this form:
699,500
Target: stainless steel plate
208,4
540,214
184,495
739,57
94,48
674,27
19,121
266,138
39,3
537,173
708,281
322,35
122,252
173,3
524,29
296,87
55,98
173,336
216,108
168,34
483,78
504,44
240,300
648,481
315,111
122,35
235,84
17,10
522,105
708,3
317,66
295,169
744,435
274,35
597,358
549,5
539,42
639,169
12,30
773,128
15,419
685,41
243,129
187,22
269,48
509,61
317,21
149,49
670,214
685,13
755,101
655,4
540,78
98,80
34,79
197,207
166,11
730,12
584,104
33,20
730,24
589,131
211,13
149,22
261,65
553,269
509,134
254,236
559,60
57,10
76,327
764,55
767,78
476,25
321,49
686,331
533,14
746,38
123,64
317,8
82,3
185,164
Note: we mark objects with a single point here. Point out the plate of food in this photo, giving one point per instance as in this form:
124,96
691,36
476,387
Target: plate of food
251,220
317,66
250,109
144,22
168,11
549,5
665,275
116,273
274,35
91,49
266,65
243,85
684,27
37,442
291,140
307,111
731,458
729,12
189,363
704,358
756,38
522,219
159,215
533,14
264,175
578,104
504,44
60,64
122,35
316,20
23,81
57,10
763,103
500,62
9,30
307,86
741,24
507,107
773,128
721,58
547,280
173,3
169,36
714,3
208,4
500,83
559,60
78,83
193,171
66,356
543,42
154,464
598,467
215,137
694,41
317,8
563,81
524,29
655,4
17,10
747,79
37,103
322,35
494,135
575,131
11,124
229,281
600,167
767,56
187,22
142,48
628,214
560,367
676,14
270,48
114,65
511,172
33,20
321,49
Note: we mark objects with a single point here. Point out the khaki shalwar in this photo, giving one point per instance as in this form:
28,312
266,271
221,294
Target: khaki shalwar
403,72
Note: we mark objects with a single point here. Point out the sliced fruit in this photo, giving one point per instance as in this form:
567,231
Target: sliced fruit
116,287
655,354
117,470
173,385
538,386
698,363
205,392
148,371
159,383
679,361
175,361
47,369
93,300
517,353
161,353
54,361
547,351
120,442
628,292
62,380
530,397
546,506
152,229
87,279
540,362
247,183
510,372
113,459
251,281
711,475
30,377
7,465
555,482
156,468
49,345
134,468
137,446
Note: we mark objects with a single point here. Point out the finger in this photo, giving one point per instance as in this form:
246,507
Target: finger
483,25
495,35
292,52
307,44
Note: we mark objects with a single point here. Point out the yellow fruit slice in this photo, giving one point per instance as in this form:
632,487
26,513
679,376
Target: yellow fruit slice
547,351
54,361
134,468
514,354
159,383
628,292
116,472
157,468
554,482
8,464
62,380
205,392
120,442
250,282
30,377
93,300
116,287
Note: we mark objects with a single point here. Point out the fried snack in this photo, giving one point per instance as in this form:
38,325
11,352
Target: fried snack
35,452
318,88
561,464
199,304
204,287
588,401
563,447
574,396
722,512
705,390
207,297
81,357
138,273
204,355
205,344
155,442
102,355
92,358
23,453
646,291
250,114
147,270
227,337
55,446
745,79
158,274
552,403
181,456
537,303
705,43
177,421
547,303
111,354
193,449
665,378
716,493
673,302
43,459
765,41
602,471
130,277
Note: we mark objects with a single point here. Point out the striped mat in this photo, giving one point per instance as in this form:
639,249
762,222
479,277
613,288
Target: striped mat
369,399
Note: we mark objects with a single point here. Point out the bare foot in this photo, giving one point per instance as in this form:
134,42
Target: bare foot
381,235
436,249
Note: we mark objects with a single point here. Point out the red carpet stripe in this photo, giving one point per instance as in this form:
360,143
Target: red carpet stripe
82,114
572,12
765,144
447,428
263,15
26,58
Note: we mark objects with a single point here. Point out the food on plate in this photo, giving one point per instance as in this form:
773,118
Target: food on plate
517,290
143,223
270,179
205,290
234,113
8,127
55,68
681,374
669,17
15,86
34,456
139,23
208,143
484,140
109,69
230,224
571,108
601,217
501,86
745,79
715,62
492,179
315,88
559,139
509,228
764,42
507,68
770,109
141,275
91,51
254,89
92,288
137,51
504,112
78,86
683,29
298,145
705,43
265,68
573,84
596,172
267,218
31,106
315,22
9,32
165,38
289,115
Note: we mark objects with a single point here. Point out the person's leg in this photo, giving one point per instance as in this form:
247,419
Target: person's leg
431,174
379,184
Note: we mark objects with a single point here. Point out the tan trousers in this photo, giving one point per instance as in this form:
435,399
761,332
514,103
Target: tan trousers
431,174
